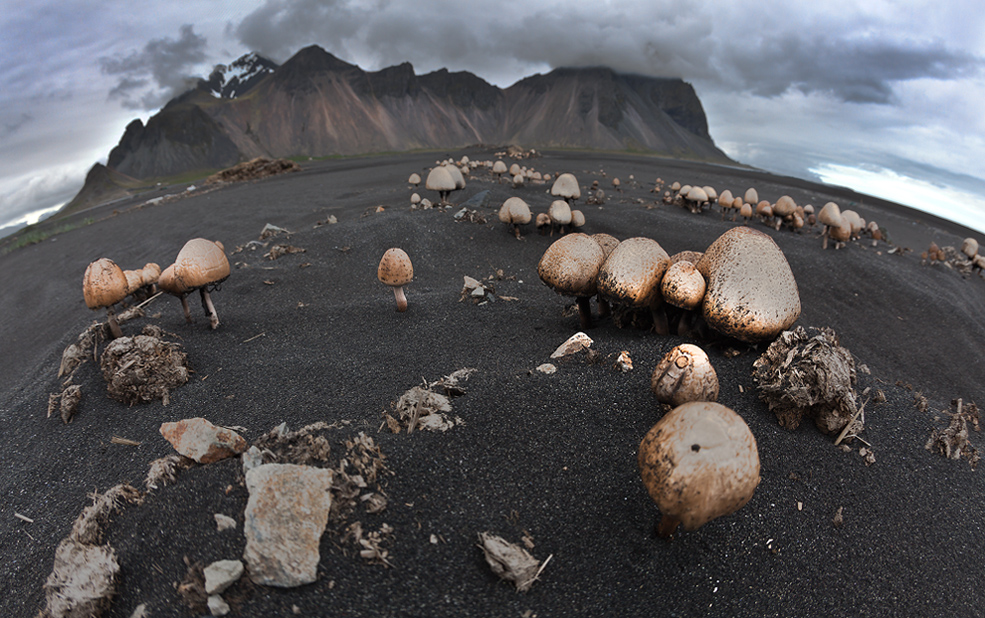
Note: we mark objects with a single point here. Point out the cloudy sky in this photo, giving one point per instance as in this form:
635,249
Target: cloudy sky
882,96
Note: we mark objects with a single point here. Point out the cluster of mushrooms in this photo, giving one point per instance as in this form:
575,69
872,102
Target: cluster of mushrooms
200,265
969,247
516,212
449,175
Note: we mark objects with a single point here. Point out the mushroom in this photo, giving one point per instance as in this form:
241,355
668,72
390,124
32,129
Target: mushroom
683,287
751,196
676,186
684,374
577,219
854,221
969,247
608,243
440,179
699,462
560,213
830,217
695,199
499,168
631,275
616,184
515,212
518,181
201,264
415,179
725,202
104,285
396,271
566,187
784,207
570,267
765,212
746,211
752,294
543,222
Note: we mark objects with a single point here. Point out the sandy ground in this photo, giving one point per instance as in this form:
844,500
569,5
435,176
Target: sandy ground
314,337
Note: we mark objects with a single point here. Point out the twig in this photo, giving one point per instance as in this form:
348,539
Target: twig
416,415
255,337
124,441
24,518
541,569
849,424
146,302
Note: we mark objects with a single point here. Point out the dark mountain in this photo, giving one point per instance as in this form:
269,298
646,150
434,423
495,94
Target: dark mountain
316,104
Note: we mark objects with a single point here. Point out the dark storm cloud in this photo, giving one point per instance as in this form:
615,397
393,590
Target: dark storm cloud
161,70
692,40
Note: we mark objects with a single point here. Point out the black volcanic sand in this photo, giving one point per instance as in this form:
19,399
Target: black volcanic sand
553,456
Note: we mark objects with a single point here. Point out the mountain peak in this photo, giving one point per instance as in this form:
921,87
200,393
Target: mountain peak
236,79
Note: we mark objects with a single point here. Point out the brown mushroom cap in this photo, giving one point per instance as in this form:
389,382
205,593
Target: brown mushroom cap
784,206
103,284
632,273
841,233
725,199
150,273
854,220
688,256
752,294
515,210
699,462
560,212
135,280
200,262
566,186
830,215
543,219
395,268
676,186
577,218
606,241
570,266
764,209
752,196
684,374
169,283
746,210
683,286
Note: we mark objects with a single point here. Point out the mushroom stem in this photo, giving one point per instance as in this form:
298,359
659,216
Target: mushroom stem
660,325
824,245
209,308
114,326
398,293
604,308
184,305
667,526
585,311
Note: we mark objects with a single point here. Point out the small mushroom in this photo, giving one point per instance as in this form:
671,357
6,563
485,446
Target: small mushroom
515,212
631,276
440,179
684,374
566,187
104,285
830,217
415,179
201,264
560,213
543,222
499,168
570,266
396,271
969,247
698,463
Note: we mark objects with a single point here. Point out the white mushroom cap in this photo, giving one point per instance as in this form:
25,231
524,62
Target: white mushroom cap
725,199
415,179
566,186
711,193
752,294
854,220
440,179
676,186
515,210
104,284
752,196
514,169
699,462
560,212
632,273
683,286
684,374
415,198
577,218
518,180
457,176
499,167
969,247
830,215
697,194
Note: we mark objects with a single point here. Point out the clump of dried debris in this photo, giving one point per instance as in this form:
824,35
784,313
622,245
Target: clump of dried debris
809,374
143,368
253,170
424,407
511,562
952,442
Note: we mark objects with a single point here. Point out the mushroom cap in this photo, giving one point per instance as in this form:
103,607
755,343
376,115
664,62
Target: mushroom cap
689,256
711,193
543,219
616,182
969,247
135,280
440,179
684,374
764,209
169,283
566,186
841,233
456,175
683,286
415,179
737,204
570,266
518,180
632,273
200,262
415,198
752,294
150,273
515,210
809,209
699,462
830,215
676,186
725,199
784,206
514,169
606,241
697,194
499,167
854,220
560,212
577,218
752,196
745,210
103,284
395,268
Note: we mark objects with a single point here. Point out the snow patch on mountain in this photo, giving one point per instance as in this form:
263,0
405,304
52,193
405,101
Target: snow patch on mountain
235,79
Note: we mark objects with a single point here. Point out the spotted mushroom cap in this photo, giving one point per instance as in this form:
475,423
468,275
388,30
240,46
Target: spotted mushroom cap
560,212
570,266
752,294
688,256
699,462
103,284
683,286
684,374
566,186
200,262
395,268
606,241
515,210
632,273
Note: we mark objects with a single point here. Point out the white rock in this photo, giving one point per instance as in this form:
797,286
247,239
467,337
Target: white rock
218,606
547,369
224,522
576,343
222,574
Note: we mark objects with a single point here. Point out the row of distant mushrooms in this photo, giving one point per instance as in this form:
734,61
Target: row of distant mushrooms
516,212
200,265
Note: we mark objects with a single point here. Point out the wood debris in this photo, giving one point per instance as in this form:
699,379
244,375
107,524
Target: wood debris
953,441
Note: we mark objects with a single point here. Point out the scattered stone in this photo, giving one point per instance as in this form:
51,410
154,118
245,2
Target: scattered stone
547,369
143,368
509,561
217,605
224,522
809,374
270,230
576,343
140,611
202,441
285,517
623,362
221,575
252,458
839,519
476,291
